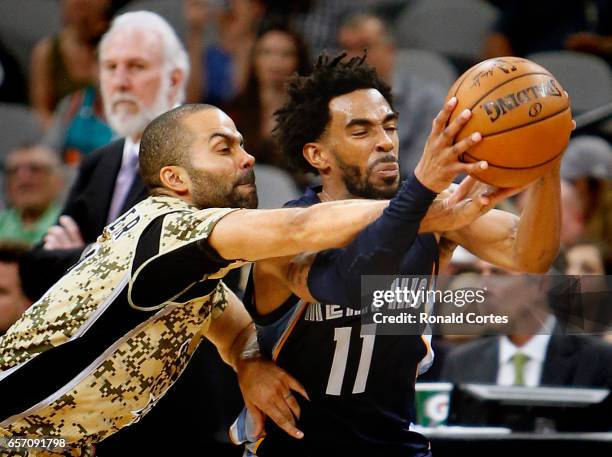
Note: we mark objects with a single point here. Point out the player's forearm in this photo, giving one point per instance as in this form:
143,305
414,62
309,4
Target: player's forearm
396,228
245,347
332,224
233,333
537,238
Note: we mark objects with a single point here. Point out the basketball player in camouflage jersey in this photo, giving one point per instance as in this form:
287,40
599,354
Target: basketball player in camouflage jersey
106,342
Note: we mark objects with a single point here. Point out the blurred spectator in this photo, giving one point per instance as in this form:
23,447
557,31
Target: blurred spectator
12,80
587,164
220,71
79,126
65,63
33,185
572,214
318,20
584,259
278,53
12,300
580,25
417,101
537,354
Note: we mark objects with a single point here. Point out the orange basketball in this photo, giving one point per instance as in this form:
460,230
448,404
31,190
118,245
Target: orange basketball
523,114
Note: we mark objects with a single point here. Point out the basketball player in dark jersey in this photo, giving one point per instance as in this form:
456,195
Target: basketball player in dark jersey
340,122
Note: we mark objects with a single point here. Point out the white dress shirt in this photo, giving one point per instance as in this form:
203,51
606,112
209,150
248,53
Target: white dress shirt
534,349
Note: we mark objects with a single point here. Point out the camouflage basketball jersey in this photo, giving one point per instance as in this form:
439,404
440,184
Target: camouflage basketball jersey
106,342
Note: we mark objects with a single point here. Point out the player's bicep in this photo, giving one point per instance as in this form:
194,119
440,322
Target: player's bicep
490,237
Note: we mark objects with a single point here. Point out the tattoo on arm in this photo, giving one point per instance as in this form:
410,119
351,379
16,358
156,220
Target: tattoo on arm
297,275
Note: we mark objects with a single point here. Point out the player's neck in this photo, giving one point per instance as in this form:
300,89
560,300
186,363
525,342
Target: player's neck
332,191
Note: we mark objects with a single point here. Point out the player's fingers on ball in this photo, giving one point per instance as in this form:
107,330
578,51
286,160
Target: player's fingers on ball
472,167
439,122
466,143
464,187
458,123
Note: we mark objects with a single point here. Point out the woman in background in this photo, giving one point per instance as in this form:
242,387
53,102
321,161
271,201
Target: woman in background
66,62
219,70
277,54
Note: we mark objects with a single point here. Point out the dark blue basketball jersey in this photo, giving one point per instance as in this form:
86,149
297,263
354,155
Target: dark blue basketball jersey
361,387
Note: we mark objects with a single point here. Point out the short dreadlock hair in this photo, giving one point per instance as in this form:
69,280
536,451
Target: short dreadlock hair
305,116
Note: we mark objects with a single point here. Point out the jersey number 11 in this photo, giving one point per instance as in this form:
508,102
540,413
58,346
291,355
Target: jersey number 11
342,337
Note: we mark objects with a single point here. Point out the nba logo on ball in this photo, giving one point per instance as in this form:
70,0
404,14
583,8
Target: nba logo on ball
524,117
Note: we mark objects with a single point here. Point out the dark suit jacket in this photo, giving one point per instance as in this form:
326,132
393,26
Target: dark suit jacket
88,204
90,197
571,360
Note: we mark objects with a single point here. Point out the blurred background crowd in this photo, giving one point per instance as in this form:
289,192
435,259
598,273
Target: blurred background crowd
58,99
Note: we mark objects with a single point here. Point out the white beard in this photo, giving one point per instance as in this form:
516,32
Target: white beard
129,124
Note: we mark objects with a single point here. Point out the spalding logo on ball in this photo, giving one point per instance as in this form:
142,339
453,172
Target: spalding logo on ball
524,117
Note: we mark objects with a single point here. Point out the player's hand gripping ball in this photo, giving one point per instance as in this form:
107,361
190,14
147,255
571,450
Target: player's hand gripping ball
524,117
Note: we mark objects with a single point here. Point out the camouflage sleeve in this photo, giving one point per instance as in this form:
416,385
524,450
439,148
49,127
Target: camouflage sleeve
173,260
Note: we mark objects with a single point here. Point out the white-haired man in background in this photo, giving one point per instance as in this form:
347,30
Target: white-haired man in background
143,72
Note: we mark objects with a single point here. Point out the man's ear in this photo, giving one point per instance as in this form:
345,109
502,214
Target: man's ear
317,155
176,81
176,179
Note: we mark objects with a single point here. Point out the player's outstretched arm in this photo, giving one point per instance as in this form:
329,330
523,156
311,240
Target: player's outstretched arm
254,235
266,388
529,243
258,234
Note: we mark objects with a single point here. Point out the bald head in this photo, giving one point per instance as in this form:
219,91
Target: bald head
166,141
195,153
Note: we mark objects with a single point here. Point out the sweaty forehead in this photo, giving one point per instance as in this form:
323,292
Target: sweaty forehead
359,104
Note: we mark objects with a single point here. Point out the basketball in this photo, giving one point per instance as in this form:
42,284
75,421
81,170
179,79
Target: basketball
524,117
